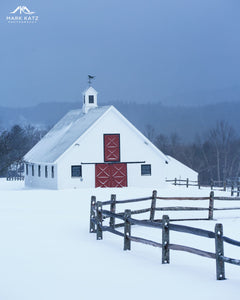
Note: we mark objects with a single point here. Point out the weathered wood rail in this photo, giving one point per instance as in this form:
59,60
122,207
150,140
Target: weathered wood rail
218,185
222,185
98,215
186,182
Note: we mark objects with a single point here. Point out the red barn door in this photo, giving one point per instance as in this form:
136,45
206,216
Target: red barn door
111,147
118,175
111,175
102,175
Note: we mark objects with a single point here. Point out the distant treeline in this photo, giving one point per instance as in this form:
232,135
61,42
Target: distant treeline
186,121
214,156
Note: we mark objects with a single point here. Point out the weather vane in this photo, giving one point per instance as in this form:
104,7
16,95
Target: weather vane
90,78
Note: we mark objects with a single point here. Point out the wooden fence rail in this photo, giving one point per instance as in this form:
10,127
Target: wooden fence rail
223,184
218,184
210,208
214,184
98,215
186,182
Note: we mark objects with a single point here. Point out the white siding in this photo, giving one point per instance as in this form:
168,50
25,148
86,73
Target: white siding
90,148
41,182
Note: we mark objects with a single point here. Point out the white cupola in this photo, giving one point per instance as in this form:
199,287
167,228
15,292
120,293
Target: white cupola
89,99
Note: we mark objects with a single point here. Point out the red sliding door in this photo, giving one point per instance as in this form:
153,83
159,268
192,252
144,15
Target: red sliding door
111,175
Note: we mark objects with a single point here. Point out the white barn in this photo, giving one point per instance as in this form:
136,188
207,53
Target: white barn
98,147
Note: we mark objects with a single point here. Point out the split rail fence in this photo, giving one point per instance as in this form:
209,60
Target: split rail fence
214,184
185,182
220,185
98,215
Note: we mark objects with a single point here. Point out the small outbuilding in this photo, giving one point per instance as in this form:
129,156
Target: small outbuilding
98,147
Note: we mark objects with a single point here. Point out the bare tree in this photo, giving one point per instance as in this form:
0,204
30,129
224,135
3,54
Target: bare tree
149,132
222,137
162,142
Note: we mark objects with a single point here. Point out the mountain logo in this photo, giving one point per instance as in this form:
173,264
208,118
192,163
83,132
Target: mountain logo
22,10
22,15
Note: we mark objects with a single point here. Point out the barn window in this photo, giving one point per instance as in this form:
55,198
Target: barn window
76,171
91,99
39,171
146,170
52,171
32,170
46,171
26,169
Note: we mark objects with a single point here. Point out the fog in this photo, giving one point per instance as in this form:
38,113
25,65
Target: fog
173,52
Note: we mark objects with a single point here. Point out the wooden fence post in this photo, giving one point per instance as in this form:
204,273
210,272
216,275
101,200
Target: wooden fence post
99,221
187,182
238,191
113,210
153,205
93,215
175,181
232,190
199,185
220,270
165,240
127,230
212,183
211,205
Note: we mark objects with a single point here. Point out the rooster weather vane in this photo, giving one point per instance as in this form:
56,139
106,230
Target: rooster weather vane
90,78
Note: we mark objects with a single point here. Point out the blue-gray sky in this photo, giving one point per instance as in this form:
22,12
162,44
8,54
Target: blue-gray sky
140,51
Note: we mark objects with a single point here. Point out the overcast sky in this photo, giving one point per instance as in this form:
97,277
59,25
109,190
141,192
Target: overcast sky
140,51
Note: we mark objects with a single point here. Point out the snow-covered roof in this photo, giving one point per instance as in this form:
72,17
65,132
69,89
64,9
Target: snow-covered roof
90,89
63,135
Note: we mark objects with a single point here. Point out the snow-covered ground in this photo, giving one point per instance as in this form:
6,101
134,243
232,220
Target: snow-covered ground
46,251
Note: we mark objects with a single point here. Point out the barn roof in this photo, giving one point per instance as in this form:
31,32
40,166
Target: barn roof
63,135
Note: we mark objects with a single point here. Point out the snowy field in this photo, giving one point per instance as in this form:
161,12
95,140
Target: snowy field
46,251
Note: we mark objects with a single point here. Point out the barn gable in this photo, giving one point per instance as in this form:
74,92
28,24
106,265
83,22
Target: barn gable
111,115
